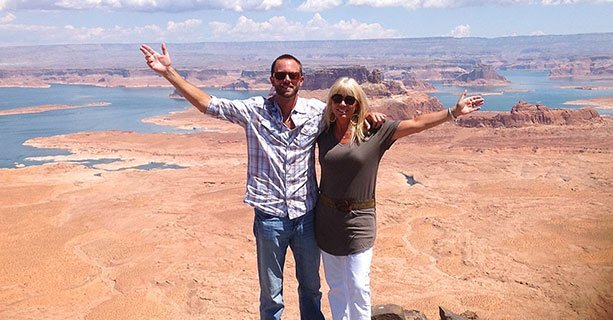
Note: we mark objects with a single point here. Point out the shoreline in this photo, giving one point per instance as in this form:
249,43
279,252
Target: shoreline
604,103
50,107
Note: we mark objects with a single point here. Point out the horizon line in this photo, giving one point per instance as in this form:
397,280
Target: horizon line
306,41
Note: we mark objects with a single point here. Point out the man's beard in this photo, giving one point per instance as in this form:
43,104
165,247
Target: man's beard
282,91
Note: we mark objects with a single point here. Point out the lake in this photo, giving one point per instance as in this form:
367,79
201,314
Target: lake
128,106
531,86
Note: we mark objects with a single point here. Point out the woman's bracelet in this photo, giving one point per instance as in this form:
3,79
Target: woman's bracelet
454,118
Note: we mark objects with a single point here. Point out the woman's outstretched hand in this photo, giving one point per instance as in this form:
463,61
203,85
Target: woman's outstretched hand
157,62
467,105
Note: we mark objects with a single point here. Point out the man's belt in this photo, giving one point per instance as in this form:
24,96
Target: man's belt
346,205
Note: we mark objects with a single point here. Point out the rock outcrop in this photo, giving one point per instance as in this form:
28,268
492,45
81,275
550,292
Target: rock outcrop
384,89
203,74
525,114
586,68
481,75
413,83
406,106
448,315
237,85
324,78
396,312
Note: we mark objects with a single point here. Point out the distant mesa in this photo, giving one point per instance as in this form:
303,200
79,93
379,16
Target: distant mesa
324,78
525,114
593,68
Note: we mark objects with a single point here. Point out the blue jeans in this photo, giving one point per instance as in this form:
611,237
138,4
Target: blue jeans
273,235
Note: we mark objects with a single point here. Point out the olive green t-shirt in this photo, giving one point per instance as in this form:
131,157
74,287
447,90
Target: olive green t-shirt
349,171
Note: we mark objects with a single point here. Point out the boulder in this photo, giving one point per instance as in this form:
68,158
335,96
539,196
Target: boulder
395,312
388,312
448,315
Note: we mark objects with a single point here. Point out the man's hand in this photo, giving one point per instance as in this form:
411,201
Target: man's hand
157,62
374,120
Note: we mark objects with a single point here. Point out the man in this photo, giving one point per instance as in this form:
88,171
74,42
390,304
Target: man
281,184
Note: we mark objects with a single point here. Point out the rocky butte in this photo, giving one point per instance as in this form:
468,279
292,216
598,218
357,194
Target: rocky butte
525,114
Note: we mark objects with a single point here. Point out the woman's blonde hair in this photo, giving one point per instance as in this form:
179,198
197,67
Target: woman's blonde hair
349,87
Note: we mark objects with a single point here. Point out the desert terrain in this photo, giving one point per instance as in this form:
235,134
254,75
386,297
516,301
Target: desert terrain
508,223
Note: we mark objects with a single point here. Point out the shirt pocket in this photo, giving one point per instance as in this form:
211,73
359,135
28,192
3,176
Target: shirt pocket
307,135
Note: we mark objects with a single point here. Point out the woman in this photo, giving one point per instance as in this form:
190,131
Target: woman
345,214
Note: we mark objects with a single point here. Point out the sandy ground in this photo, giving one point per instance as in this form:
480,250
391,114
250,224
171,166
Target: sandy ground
605,103
508,223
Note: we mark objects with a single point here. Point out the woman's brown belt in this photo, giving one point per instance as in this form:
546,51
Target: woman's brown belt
346,205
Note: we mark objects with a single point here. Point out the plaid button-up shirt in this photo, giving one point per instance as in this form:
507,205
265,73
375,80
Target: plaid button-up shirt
281,179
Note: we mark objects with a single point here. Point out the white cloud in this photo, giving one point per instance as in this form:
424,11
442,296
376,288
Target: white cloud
461,31
411,4
270,4
279,28
561,2
249,5
143,5
417,4
7,18
319,5
20,34
187,24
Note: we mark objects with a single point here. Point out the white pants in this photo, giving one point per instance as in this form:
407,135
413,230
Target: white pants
349,280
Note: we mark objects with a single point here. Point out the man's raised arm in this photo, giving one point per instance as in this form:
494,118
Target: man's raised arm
160,63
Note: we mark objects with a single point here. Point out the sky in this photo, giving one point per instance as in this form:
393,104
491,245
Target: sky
39,22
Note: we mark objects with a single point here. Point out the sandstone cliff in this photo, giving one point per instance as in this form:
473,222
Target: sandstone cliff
407,106
592,68
525,114
324,78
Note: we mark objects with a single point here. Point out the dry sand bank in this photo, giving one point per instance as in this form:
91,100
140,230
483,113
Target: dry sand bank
509,223
50,107
598,103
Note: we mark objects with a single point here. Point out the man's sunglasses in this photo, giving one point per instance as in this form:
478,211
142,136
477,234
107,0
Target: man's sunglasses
282,75
338,98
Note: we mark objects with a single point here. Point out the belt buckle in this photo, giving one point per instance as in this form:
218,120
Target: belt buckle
343,205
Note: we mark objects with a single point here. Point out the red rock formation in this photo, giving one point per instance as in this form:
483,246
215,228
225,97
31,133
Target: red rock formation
325,78
406,106
525,114
481,75
415,84
593,68
384,89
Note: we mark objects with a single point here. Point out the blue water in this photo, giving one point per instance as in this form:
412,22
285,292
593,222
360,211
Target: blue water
532,86
128,107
